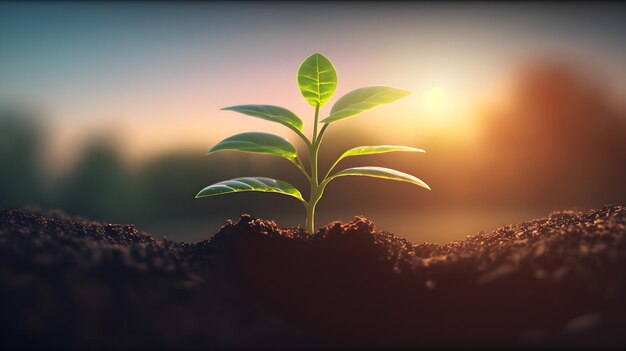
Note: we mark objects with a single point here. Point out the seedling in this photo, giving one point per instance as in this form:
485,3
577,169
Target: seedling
317,81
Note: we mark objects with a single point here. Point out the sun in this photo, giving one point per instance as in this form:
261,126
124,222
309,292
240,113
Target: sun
435,98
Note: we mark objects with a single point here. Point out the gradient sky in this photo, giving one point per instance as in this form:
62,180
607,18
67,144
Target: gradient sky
157,73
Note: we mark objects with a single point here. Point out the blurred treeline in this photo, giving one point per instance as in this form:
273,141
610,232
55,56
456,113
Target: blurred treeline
561,143
100,185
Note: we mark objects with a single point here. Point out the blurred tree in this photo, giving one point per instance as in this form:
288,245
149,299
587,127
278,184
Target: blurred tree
168,183
21,173
98,186
561,142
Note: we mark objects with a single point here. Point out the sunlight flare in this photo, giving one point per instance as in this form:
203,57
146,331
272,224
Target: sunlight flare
435,99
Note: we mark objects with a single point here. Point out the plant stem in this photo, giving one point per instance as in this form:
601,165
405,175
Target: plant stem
317,113
314,197
310,217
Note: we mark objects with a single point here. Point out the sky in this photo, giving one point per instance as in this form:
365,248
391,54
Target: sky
155,74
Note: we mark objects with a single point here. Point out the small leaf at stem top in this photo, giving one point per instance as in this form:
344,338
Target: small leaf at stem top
317,79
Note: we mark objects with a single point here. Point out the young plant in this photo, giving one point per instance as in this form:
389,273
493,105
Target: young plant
317,81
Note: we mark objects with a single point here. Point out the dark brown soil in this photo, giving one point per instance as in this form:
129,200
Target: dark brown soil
556,281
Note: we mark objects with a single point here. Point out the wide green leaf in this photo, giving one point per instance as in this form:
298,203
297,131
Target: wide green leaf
270,113
262,184
369,150
363,99
262,143
379,172
377,149
317,79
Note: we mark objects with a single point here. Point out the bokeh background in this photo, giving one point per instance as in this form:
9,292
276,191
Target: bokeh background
107,109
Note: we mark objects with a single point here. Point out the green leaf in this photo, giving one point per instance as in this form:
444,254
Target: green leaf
369,150
270,113
317,79
378,149
262,184
262,143
379,172
363,99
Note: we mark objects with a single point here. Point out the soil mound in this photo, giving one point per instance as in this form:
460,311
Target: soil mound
555,281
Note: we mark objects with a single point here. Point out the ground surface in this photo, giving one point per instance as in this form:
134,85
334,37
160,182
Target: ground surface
556,281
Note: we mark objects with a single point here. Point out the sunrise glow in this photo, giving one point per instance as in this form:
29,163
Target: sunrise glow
435,98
